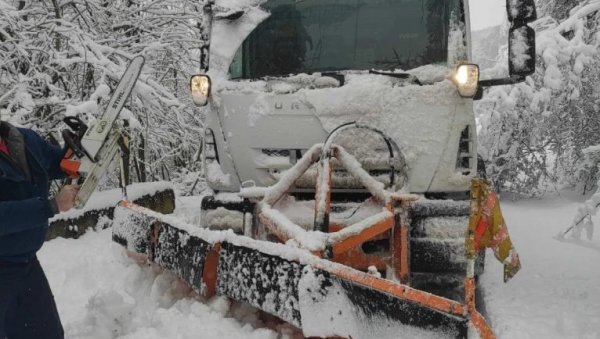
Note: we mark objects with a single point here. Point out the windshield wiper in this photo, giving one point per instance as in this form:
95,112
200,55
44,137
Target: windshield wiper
341,78
413,79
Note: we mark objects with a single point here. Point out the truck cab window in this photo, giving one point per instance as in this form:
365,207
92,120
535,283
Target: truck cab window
329,35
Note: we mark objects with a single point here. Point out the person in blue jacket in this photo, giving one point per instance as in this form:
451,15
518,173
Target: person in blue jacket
27,164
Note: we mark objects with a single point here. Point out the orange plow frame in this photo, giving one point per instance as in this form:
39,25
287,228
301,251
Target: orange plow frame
343,249
336,250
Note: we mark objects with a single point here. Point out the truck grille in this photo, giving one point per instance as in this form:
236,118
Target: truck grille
276,161
465,152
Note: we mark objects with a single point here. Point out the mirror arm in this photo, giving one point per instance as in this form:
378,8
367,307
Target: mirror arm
499,82
519,23
230,16
206,35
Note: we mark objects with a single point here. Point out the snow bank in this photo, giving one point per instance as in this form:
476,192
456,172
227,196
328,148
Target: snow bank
103,294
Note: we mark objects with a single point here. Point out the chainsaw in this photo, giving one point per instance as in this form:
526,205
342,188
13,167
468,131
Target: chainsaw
91,150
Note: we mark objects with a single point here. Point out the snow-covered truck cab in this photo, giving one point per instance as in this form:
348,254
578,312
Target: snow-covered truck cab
283,74
310,66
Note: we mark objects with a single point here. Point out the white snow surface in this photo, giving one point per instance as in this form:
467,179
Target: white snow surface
557,292
101,293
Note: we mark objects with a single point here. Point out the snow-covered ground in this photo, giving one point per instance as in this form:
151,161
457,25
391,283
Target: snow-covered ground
557,292
101,293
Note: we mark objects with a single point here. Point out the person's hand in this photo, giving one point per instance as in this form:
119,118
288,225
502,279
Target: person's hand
65,199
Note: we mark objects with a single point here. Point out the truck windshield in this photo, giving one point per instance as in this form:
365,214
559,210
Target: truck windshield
306,36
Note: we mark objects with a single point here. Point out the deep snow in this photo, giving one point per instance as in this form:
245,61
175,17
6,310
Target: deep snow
101,293
557,292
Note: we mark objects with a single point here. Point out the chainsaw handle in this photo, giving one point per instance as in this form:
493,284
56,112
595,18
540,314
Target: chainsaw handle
73,137
70,163
73,143
70,166
76,124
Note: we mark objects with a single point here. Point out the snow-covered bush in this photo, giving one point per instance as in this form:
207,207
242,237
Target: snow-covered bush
61,58
532,134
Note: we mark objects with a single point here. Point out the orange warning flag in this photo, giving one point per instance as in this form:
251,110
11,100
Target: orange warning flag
487,228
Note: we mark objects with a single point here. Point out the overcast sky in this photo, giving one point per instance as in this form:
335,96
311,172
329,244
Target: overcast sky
486,13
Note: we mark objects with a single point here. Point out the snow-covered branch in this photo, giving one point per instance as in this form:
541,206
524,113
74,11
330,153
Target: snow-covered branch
60,58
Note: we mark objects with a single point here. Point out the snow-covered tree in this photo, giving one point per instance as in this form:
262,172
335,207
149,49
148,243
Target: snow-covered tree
61,58
532,134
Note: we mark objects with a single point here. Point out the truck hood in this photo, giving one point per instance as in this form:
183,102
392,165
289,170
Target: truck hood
425,121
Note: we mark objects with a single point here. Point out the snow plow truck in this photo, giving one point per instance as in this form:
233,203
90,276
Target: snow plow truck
340,150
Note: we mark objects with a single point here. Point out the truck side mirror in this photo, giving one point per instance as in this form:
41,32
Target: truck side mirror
521,44
521,51
521,38
521,11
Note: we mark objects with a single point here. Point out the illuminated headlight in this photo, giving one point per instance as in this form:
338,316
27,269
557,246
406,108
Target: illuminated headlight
200,88
466,78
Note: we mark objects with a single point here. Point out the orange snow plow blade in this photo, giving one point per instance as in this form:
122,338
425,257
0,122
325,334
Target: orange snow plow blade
320,297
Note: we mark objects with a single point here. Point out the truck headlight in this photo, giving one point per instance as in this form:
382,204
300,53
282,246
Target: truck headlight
466,79
200,88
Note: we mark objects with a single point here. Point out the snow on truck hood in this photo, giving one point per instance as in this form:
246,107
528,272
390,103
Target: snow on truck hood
398,108
425,121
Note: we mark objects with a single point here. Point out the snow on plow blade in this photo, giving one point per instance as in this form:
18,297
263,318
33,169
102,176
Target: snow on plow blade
157,196
320,297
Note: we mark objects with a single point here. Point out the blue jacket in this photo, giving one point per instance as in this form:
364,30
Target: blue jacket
24,204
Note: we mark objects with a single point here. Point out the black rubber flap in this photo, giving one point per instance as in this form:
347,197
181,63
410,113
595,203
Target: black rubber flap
438,256
333,306
182,254
324,305
132,230
267,282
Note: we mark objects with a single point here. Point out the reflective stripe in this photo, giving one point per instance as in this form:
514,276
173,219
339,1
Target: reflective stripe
499,237
488,228
483,224
3,147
